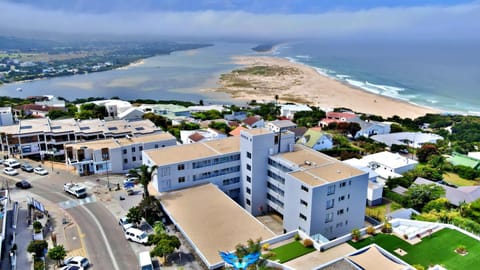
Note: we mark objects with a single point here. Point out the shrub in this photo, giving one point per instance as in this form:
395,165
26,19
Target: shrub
418,266
387,227
462,249
297,237
307,243
39,265
355,234
37,226
266,246
371,230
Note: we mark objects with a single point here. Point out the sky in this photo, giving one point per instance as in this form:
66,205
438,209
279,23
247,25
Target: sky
250,19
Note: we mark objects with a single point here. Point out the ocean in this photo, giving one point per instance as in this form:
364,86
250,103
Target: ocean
443,75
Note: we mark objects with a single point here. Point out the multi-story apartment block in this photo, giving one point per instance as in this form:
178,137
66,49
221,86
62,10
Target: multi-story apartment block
113,155
42,137
267,172
6,116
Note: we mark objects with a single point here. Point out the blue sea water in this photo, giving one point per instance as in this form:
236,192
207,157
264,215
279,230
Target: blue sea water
443,75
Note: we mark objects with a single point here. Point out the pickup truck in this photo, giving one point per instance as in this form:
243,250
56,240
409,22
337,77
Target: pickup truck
76,190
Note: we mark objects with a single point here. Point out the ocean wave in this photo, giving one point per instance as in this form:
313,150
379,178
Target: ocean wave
323,71
363,86
342,76
385,87
291,59
307,57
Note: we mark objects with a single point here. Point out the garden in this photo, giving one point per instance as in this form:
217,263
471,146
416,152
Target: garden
447,247
292,250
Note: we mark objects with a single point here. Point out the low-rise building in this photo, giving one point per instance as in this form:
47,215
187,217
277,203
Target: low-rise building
369,128
6,116
253,122
336,117
200,135
289,110
456,196
280,125
113,155
458,159
411,139
316,139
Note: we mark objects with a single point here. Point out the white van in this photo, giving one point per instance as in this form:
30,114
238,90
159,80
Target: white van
145,261
136,235
12,163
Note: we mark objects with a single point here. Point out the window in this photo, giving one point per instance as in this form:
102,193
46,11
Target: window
134,159
248,190
304,188
249,155
133,149
140,148
341,198
156,145
249,179
330,203
124,151
343,184
329,218
302,216
331,190
247,201
350,182
339,225
348,196
181,179
302,202
249,167
340,212
125,160
181,167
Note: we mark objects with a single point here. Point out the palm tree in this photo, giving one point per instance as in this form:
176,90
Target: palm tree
144,175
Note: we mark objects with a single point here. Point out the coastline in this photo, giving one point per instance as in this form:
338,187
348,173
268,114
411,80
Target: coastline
297,82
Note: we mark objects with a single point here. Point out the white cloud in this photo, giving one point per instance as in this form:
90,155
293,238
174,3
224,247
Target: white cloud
432,21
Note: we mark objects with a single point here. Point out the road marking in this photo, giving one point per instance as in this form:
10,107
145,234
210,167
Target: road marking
77,202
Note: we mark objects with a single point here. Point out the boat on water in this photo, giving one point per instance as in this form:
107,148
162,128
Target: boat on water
19,89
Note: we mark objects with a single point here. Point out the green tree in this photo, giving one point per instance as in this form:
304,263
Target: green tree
151,209
135,214
144,174
55,114
165,245
37,226
437,205
353,128
417,196
158,120
57,253
38,247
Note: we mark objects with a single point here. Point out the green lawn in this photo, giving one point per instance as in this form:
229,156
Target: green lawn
290,251
453,178
379,212
437,249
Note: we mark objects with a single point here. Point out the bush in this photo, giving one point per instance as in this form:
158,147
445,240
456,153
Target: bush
387,227
37,226
266,246
355,234
418,266
307,243
297,237
39,265
371,230
393,196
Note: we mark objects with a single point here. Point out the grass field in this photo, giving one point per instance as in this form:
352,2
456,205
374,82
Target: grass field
453,178
379,212
437,249
290,251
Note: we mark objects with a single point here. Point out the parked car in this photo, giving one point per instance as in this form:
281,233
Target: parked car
131,180
26,167
12,163
77,261
136,235
10,171
125,223
72,267
24,184
40,171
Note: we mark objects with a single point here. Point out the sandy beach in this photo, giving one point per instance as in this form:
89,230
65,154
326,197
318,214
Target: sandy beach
261,78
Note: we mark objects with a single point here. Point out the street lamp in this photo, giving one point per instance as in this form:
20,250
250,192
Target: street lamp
105,158
54,150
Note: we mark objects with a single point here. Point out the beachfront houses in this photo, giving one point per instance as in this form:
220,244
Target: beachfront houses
288,110
44,137
200,135
369,128
336,117
253,122
280,125
316,139
113,155
267,172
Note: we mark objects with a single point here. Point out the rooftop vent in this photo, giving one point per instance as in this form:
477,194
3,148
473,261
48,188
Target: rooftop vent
308,162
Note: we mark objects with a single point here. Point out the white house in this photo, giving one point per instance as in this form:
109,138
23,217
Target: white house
200,135
131,114
316,139
289,110
113,106
369,128
280,125
254,122
412,139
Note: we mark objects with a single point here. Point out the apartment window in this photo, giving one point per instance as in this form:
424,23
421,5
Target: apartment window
247,201
304,188
350,182
181,167
330,203
343,184
340,212
329,218
302,202
339,225
341,198
124,151
249,167
249,179
156,145
133,149
181,179
302,216
346,222
331,190
249,155
134,158
248,190
348,196
125,160
165,171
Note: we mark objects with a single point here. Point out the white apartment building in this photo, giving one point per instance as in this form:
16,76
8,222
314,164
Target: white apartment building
113,155
6,116
280,125
264,172
41,137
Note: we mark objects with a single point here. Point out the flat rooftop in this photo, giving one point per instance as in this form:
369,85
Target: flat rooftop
257,131
211,220
193,151
315,168
112,143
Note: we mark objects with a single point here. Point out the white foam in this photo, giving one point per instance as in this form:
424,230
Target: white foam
342,76
303,57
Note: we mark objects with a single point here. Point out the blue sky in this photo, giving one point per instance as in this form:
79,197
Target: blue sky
256,19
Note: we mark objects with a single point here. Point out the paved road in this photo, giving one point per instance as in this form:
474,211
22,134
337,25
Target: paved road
100,233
